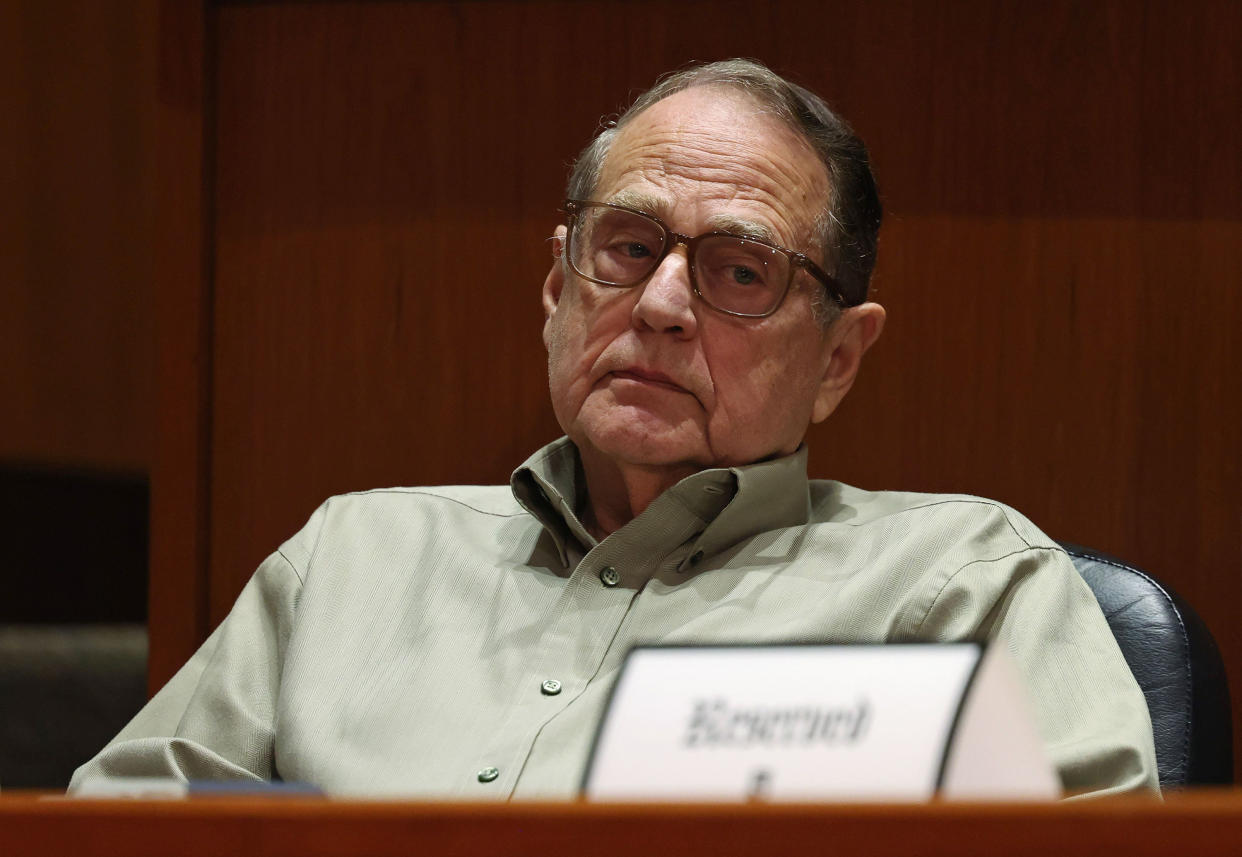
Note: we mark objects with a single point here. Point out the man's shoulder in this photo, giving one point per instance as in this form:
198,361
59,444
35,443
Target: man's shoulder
490,500
374,528
367,516
838,503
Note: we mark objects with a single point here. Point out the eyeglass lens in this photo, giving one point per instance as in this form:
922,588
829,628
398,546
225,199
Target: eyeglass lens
622,248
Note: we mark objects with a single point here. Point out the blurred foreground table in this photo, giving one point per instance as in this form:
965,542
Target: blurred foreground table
1208,822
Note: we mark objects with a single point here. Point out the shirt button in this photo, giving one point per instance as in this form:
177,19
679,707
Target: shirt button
609,576
488,774
551,687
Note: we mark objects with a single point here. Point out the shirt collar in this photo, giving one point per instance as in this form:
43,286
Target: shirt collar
547,485
734,503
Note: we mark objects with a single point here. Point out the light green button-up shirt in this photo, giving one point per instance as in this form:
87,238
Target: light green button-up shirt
404,642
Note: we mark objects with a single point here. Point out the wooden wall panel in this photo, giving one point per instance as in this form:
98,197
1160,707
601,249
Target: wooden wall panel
77,98
184,260
1060,260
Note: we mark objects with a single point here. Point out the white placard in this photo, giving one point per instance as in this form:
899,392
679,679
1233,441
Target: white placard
815,722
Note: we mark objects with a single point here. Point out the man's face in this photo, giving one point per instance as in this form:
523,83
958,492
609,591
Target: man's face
651,376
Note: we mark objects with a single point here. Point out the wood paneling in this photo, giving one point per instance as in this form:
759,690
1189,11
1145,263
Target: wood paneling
181,468
1060,262
76,208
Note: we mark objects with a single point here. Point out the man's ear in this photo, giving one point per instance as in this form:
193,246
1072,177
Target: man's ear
854,331
554,283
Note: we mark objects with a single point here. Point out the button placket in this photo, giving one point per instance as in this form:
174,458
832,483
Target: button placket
588,633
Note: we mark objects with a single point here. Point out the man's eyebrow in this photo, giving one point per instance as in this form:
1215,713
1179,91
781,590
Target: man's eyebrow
741,226
662,207
642,201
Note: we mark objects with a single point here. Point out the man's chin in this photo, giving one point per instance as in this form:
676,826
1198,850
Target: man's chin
643,444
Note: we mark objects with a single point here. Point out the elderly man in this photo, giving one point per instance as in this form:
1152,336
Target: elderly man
706,303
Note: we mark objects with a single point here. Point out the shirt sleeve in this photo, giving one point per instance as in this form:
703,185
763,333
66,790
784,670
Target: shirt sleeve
214,719
1089,708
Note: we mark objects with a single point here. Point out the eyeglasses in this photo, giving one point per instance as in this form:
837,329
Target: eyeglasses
617,246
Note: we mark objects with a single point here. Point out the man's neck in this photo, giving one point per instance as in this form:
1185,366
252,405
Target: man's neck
616,493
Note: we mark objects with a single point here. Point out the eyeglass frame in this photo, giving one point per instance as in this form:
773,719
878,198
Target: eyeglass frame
572,207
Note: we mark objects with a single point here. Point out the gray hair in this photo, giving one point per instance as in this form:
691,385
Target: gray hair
847,230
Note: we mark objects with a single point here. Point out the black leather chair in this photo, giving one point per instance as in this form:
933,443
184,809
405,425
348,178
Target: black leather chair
65,690
1176,662
73,640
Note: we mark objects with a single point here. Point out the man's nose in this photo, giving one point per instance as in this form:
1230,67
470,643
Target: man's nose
666,300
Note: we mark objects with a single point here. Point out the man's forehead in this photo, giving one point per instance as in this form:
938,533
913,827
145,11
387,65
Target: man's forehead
720,152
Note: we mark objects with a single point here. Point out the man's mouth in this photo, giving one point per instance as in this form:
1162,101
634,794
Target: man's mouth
649,377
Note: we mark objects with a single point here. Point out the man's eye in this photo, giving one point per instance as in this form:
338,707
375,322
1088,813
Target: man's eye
744,276
635,250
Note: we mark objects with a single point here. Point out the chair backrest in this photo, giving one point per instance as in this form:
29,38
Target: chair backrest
65,690
1176,662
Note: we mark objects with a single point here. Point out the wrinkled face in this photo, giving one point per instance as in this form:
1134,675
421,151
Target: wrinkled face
652,377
